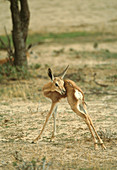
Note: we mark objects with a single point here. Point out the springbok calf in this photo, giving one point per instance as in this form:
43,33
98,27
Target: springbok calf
58,89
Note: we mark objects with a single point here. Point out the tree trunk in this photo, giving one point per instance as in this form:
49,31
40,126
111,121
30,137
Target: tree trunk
20,20
24,15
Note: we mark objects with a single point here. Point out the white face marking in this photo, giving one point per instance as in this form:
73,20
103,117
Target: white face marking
78,94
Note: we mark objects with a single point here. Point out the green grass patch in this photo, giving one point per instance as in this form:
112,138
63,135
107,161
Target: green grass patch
57,36
79,36
5,40
113,77
13,73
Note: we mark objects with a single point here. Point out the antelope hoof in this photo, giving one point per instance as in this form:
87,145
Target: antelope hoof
103,146
95,146
34,141
52,137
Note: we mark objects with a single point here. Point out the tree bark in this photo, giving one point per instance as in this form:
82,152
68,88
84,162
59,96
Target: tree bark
24,15
20,21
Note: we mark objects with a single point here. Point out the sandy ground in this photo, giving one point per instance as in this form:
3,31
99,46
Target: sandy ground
73,146
21,120
58,15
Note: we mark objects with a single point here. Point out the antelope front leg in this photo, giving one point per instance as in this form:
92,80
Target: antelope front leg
47,118
54,127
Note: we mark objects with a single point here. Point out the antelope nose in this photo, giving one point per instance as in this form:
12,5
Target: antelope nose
63,91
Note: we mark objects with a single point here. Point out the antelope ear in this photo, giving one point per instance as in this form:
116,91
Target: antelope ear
50,74
64,72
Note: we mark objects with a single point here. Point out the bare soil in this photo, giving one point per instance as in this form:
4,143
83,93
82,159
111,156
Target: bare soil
21,118
56,16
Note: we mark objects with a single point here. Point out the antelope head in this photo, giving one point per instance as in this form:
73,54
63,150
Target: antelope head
58,82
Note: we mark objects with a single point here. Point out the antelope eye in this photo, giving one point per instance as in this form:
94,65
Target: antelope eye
56,84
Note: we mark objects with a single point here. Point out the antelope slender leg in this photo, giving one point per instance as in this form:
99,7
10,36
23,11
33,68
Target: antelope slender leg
85,118
89,126
54,127
100,140
47,118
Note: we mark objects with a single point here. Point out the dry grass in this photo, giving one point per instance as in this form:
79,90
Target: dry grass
71,149
22,113
23,108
